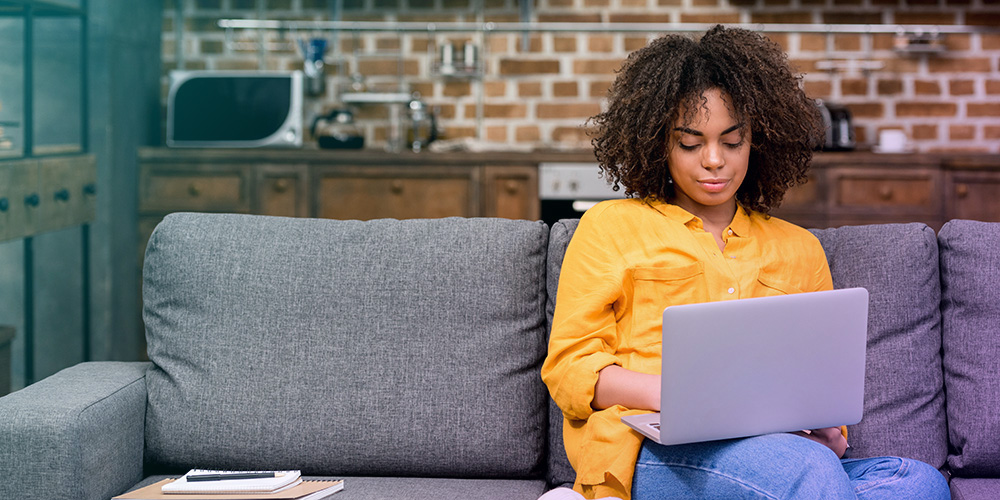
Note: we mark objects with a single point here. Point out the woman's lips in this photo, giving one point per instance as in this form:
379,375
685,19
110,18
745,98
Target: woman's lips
714,185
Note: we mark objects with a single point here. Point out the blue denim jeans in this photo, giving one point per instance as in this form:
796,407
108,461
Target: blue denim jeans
778,466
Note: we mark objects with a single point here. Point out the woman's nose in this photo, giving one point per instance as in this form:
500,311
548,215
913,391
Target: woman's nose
712,157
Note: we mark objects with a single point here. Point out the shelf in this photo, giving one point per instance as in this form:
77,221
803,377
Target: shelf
376,98
531,27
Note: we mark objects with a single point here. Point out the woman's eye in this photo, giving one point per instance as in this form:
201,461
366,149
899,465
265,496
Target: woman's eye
733,145
687,147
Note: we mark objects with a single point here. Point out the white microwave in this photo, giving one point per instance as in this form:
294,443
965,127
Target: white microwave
234,109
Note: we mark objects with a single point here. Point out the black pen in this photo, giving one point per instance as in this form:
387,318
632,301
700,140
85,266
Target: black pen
233,475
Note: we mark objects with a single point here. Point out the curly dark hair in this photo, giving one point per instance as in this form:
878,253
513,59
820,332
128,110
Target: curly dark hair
656,83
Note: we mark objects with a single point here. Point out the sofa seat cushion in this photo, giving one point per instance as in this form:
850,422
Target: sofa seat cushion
975,489
416,488
386,347
970,306
904,411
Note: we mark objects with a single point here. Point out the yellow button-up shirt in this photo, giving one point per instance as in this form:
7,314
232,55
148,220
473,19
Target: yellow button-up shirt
627,261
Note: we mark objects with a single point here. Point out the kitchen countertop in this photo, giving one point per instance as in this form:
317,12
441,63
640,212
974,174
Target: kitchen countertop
380,157
364,156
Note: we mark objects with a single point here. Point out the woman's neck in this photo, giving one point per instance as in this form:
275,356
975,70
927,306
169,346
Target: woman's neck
716,216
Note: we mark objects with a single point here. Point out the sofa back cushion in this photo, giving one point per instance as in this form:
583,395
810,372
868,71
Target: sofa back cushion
405,348
970,270
559,469
904,400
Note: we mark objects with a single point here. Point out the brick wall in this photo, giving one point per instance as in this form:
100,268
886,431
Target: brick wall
542,93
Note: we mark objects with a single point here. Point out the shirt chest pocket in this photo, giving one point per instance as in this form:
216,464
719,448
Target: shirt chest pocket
655,288
769,284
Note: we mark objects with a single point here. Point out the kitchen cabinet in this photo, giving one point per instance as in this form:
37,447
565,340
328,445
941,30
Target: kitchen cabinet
396,192
335,184
866,188
972,188
843,188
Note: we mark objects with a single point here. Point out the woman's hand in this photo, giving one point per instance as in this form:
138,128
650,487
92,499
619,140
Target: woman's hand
831,437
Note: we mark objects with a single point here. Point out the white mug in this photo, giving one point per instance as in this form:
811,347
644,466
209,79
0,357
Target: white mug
892,140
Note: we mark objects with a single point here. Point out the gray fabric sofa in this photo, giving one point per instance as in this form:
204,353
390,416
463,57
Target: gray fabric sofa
403,356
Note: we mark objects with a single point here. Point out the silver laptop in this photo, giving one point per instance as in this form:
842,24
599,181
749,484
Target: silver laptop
755,366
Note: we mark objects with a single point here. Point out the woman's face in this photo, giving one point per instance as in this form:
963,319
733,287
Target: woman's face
708,157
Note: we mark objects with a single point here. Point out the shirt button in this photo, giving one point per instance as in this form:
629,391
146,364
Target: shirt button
730,232
732,290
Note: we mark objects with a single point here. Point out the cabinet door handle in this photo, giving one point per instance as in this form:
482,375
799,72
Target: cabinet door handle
962,190
4,204
32,200
62,195
396,187
280,186
885,192
510,187
193,190
90,189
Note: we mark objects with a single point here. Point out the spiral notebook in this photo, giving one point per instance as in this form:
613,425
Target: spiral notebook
281,479
305,490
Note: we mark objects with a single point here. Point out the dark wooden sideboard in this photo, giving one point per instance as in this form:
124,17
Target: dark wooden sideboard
844,188
868,188
338,184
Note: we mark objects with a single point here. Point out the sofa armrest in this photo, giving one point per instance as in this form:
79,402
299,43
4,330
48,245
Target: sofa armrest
78,434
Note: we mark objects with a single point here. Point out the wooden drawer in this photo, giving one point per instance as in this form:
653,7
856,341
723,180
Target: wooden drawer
511,193
85,187
66,187
973,195
873,191
23,214
281,190
209,188
363,194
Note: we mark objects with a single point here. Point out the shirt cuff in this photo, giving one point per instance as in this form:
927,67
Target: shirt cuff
579,386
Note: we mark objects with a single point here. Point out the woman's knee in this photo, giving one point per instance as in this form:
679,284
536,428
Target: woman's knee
803,456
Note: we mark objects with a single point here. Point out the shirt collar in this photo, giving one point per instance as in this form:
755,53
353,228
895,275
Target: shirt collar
740,224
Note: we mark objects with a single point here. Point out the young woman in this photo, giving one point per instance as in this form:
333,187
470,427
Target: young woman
705,137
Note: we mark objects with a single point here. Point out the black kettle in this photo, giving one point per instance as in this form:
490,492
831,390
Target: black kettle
839,127
337,130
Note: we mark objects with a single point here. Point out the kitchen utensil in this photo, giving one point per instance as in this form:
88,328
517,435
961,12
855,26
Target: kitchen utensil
313,65
337,130
446,65
839,130
423,125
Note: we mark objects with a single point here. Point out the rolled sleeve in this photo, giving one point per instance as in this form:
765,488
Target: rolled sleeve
584,329
574,390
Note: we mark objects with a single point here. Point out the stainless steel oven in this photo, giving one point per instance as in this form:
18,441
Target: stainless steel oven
567,190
